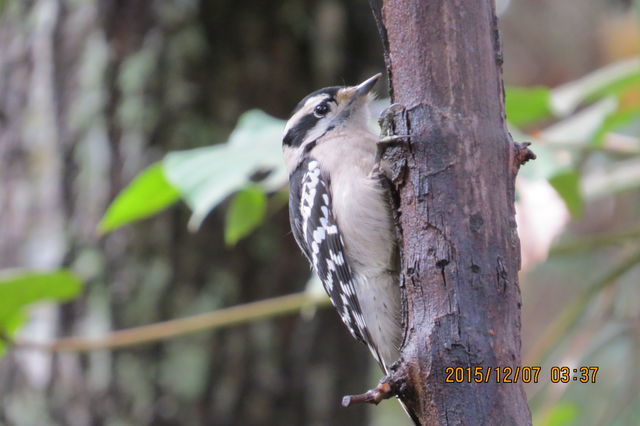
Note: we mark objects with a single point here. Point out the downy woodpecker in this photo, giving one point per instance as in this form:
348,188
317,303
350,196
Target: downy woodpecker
340,214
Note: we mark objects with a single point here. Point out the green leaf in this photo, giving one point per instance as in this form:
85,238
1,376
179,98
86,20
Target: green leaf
207,176
246,212
562,414
618,86
10,328
149,193
580,128
567,184
614,121
20,289
604,82
527,105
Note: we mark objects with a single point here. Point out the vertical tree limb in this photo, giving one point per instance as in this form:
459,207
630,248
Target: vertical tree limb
455,181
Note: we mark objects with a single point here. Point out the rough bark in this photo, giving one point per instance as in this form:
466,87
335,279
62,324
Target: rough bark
455,182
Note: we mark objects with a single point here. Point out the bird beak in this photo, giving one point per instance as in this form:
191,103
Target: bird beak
365,87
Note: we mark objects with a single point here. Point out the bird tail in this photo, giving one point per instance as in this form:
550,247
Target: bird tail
410,413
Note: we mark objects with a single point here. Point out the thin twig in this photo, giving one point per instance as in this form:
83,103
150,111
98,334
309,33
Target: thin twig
594,241
393,384
372,396
178,327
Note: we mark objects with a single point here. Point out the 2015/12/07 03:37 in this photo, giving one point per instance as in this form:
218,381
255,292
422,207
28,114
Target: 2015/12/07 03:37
524,374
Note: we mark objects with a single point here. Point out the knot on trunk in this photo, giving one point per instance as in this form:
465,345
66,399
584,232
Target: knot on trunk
523,153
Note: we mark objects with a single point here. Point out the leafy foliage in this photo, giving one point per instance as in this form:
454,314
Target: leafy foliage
560,415
615,121
611,80
567,184
590,151
207,176
204,177
607,107
20,289
148,194
526,106
246,212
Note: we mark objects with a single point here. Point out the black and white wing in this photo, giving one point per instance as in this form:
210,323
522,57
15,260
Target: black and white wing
317,233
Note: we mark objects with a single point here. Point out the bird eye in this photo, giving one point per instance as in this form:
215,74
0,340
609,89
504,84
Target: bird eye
321,110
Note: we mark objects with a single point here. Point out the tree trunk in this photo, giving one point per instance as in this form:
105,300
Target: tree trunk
455,182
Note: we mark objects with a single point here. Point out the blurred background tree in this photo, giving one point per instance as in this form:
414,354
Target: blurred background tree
92,92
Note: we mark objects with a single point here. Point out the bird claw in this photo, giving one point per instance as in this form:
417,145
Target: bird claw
392,139
387,129
384,142
387,115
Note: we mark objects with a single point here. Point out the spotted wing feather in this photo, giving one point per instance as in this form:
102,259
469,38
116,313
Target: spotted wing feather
317,232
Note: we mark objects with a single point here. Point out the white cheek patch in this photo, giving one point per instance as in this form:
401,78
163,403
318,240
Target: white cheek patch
291,158
317,131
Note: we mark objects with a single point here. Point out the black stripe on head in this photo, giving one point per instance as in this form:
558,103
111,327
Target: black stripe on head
295,136
331,91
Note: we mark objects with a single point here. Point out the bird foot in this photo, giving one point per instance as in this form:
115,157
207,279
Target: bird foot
387,130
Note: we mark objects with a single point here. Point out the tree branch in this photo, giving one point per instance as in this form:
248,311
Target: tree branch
227,317
594,241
